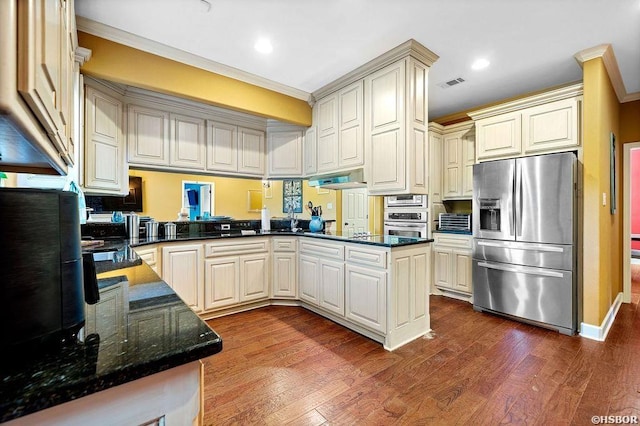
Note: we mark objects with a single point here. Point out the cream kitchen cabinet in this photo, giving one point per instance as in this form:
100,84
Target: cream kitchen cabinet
458,160
148,135
45,64
104,164
321,282
452,264
182,270
284,146
310,151
251,152
544,123
234,150
396,133
340,129
187,142
284,267
236,272
327,113
435,163
151,256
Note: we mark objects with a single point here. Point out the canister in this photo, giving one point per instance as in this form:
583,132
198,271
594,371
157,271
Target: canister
170,230
152,229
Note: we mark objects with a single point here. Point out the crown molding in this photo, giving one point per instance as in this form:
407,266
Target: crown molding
605,51
409,48
146,45
565,92
82,55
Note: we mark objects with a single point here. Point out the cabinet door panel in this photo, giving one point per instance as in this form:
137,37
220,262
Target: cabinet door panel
550,126
187,142
222,147
181,269
104,163
285,153
351,141
499,136
328,152
254,277
386,98
462,266
309,270
435,165
310,151
442,268
468,160
366,295
332,286
387,161
284,276
222,282
250,151
452,166
148,136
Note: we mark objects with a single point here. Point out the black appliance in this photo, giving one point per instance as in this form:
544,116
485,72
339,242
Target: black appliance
42,280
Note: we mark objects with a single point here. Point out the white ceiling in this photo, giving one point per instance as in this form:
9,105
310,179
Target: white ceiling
530,43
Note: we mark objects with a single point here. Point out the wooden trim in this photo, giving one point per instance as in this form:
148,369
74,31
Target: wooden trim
599,333
110,33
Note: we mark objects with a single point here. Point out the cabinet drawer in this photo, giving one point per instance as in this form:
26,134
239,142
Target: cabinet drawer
452,240
376,258
246,246
333,251
150,256
284,244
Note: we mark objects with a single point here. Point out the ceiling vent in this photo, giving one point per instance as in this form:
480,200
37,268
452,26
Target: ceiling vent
451,83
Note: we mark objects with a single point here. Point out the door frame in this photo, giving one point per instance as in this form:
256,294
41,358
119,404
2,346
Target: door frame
626,221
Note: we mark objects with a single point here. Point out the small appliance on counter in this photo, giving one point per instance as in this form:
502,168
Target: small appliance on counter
458,222
43,282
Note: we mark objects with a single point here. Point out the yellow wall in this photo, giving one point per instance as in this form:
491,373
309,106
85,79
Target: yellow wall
122,64
162,194
630,122
602,266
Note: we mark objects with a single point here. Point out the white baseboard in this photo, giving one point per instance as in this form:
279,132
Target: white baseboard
600,332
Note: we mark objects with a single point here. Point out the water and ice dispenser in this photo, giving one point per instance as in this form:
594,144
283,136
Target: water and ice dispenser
489,214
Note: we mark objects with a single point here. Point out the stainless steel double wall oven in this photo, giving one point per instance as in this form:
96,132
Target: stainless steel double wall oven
406,216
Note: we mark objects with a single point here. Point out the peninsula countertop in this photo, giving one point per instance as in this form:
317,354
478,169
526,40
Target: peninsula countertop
114,350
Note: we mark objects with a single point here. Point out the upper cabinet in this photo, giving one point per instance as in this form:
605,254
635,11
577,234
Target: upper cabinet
222,146
340,124
187,142
104,163
38,87
458,159
148,135
251,152
396,133
285,148
548,122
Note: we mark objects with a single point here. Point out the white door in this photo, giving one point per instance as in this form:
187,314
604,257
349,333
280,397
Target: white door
355,211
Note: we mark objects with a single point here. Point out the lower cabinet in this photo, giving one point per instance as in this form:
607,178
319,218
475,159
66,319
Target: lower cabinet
452,264
151,256
332,286
321,279
308,282
366,294
284,268
254,277
222,282
182,270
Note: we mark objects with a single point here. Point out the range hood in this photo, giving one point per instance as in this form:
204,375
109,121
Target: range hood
344,180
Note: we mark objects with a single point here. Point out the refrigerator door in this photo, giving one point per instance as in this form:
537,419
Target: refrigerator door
493,186
544,198
552,256
543,296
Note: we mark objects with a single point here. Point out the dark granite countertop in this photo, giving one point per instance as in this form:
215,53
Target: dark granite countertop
374,240
117,347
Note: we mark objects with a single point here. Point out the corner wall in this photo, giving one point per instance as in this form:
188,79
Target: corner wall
602,231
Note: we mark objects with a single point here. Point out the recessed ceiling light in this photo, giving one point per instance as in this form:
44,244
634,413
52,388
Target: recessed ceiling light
263,45
480,64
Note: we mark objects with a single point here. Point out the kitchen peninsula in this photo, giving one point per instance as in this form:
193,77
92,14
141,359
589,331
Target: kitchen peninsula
376,285
140,341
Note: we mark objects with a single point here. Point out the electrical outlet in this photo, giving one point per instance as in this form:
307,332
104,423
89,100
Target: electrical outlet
604,199
329,206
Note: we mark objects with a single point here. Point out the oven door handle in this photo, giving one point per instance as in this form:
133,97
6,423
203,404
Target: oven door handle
402,226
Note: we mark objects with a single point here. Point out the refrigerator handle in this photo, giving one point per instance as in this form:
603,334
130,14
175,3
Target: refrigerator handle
518,199
521,270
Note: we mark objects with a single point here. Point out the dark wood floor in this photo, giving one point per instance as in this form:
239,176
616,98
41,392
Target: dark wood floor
285,365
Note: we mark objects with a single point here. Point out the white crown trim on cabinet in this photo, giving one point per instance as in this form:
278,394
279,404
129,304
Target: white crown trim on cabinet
128,39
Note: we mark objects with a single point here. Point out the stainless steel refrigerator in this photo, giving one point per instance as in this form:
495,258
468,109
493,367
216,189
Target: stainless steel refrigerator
524,229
